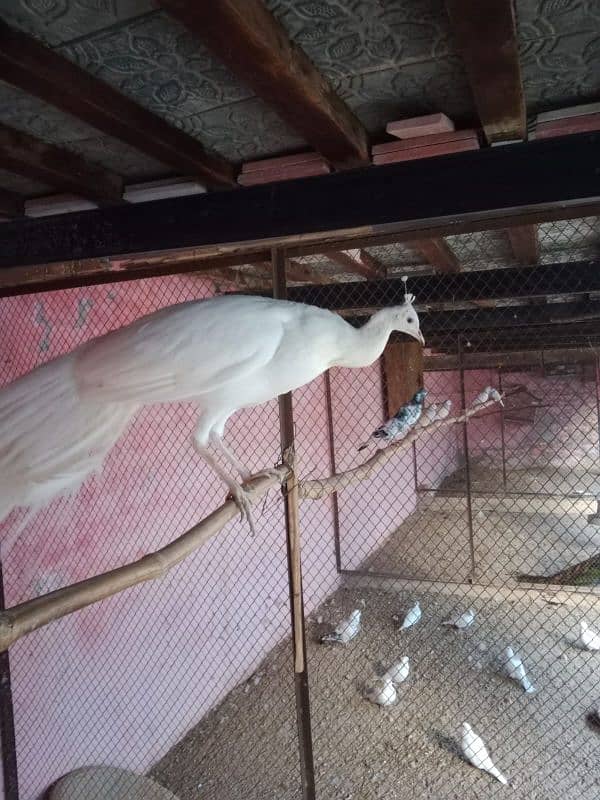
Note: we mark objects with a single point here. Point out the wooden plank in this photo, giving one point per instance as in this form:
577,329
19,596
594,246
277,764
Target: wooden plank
38,70
423,141
437,252
429,151
489,46
256,47
569,125
419,126
11,204
524,243
550,179
358,261
403,373
297,271
58,167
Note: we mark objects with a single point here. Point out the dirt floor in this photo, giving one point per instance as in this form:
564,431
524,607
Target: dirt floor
544,743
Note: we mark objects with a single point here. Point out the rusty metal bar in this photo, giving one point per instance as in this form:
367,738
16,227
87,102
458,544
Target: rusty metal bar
467,461
7,719
290,495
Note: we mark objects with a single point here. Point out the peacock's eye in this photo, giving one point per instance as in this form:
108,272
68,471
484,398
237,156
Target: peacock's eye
410,319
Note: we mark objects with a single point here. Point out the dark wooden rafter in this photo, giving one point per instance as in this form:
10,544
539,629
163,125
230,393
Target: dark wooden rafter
245,36
297,271
40,71
500,186
487,39
403,372
437,252
58,167
357,261
524,243
11,204
519,283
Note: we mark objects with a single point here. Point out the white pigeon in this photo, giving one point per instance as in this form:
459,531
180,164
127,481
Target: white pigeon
475,751
398,672
381,691
461,621
346,630
587,639
444,410
495,396
516,671
412,617
429,415
482,397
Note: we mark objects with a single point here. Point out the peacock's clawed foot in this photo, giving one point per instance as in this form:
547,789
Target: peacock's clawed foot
270,472
241,498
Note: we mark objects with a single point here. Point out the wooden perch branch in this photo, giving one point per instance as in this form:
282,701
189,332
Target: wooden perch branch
30,615
19,620
322,487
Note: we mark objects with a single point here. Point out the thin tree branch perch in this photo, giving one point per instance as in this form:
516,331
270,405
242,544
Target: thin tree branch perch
322,487
30,615
21,619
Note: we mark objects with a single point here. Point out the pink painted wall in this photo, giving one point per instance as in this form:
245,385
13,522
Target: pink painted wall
122,681
564,433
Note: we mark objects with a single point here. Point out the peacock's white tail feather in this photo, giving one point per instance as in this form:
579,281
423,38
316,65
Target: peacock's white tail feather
52,437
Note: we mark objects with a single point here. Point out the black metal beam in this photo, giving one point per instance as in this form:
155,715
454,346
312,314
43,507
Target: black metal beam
510,180
513,318
578,277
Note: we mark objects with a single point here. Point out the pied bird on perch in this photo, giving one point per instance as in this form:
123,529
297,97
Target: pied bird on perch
58,422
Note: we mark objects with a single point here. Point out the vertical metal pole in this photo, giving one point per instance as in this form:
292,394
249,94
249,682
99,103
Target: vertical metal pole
467,460
598,404
7,719
502,431
334,496
290,495
415,467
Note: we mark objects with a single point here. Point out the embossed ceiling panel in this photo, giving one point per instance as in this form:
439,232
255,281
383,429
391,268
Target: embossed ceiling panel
57,21
384,59
560,52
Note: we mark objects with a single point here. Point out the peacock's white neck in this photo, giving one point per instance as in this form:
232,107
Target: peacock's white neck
367,343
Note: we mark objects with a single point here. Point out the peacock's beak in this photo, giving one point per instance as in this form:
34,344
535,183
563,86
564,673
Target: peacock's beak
419,336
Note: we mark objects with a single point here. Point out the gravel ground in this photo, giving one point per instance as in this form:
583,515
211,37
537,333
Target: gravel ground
246,748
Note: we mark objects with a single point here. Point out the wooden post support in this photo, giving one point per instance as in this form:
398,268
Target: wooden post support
290,490
403,371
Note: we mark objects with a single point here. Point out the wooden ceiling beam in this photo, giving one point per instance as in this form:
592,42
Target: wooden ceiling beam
436,252
297,271
533,181
524,243
40,71
255,46
487,39
360,262
11,204
25,155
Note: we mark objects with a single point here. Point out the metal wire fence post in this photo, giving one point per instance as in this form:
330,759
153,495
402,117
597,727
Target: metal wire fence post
290,495
467,459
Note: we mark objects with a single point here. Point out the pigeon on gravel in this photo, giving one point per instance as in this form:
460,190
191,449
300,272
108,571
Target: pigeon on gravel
587,639
345,631
475,751
461,621
381,691
412,617
398,672
515,670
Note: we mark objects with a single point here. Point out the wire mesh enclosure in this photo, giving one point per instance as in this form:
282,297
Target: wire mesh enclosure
489,522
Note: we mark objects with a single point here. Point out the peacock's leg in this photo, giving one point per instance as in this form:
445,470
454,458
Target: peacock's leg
230,456
237,492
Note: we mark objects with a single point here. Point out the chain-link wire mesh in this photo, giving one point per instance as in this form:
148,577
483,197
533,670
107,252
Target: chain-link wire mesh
190,679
